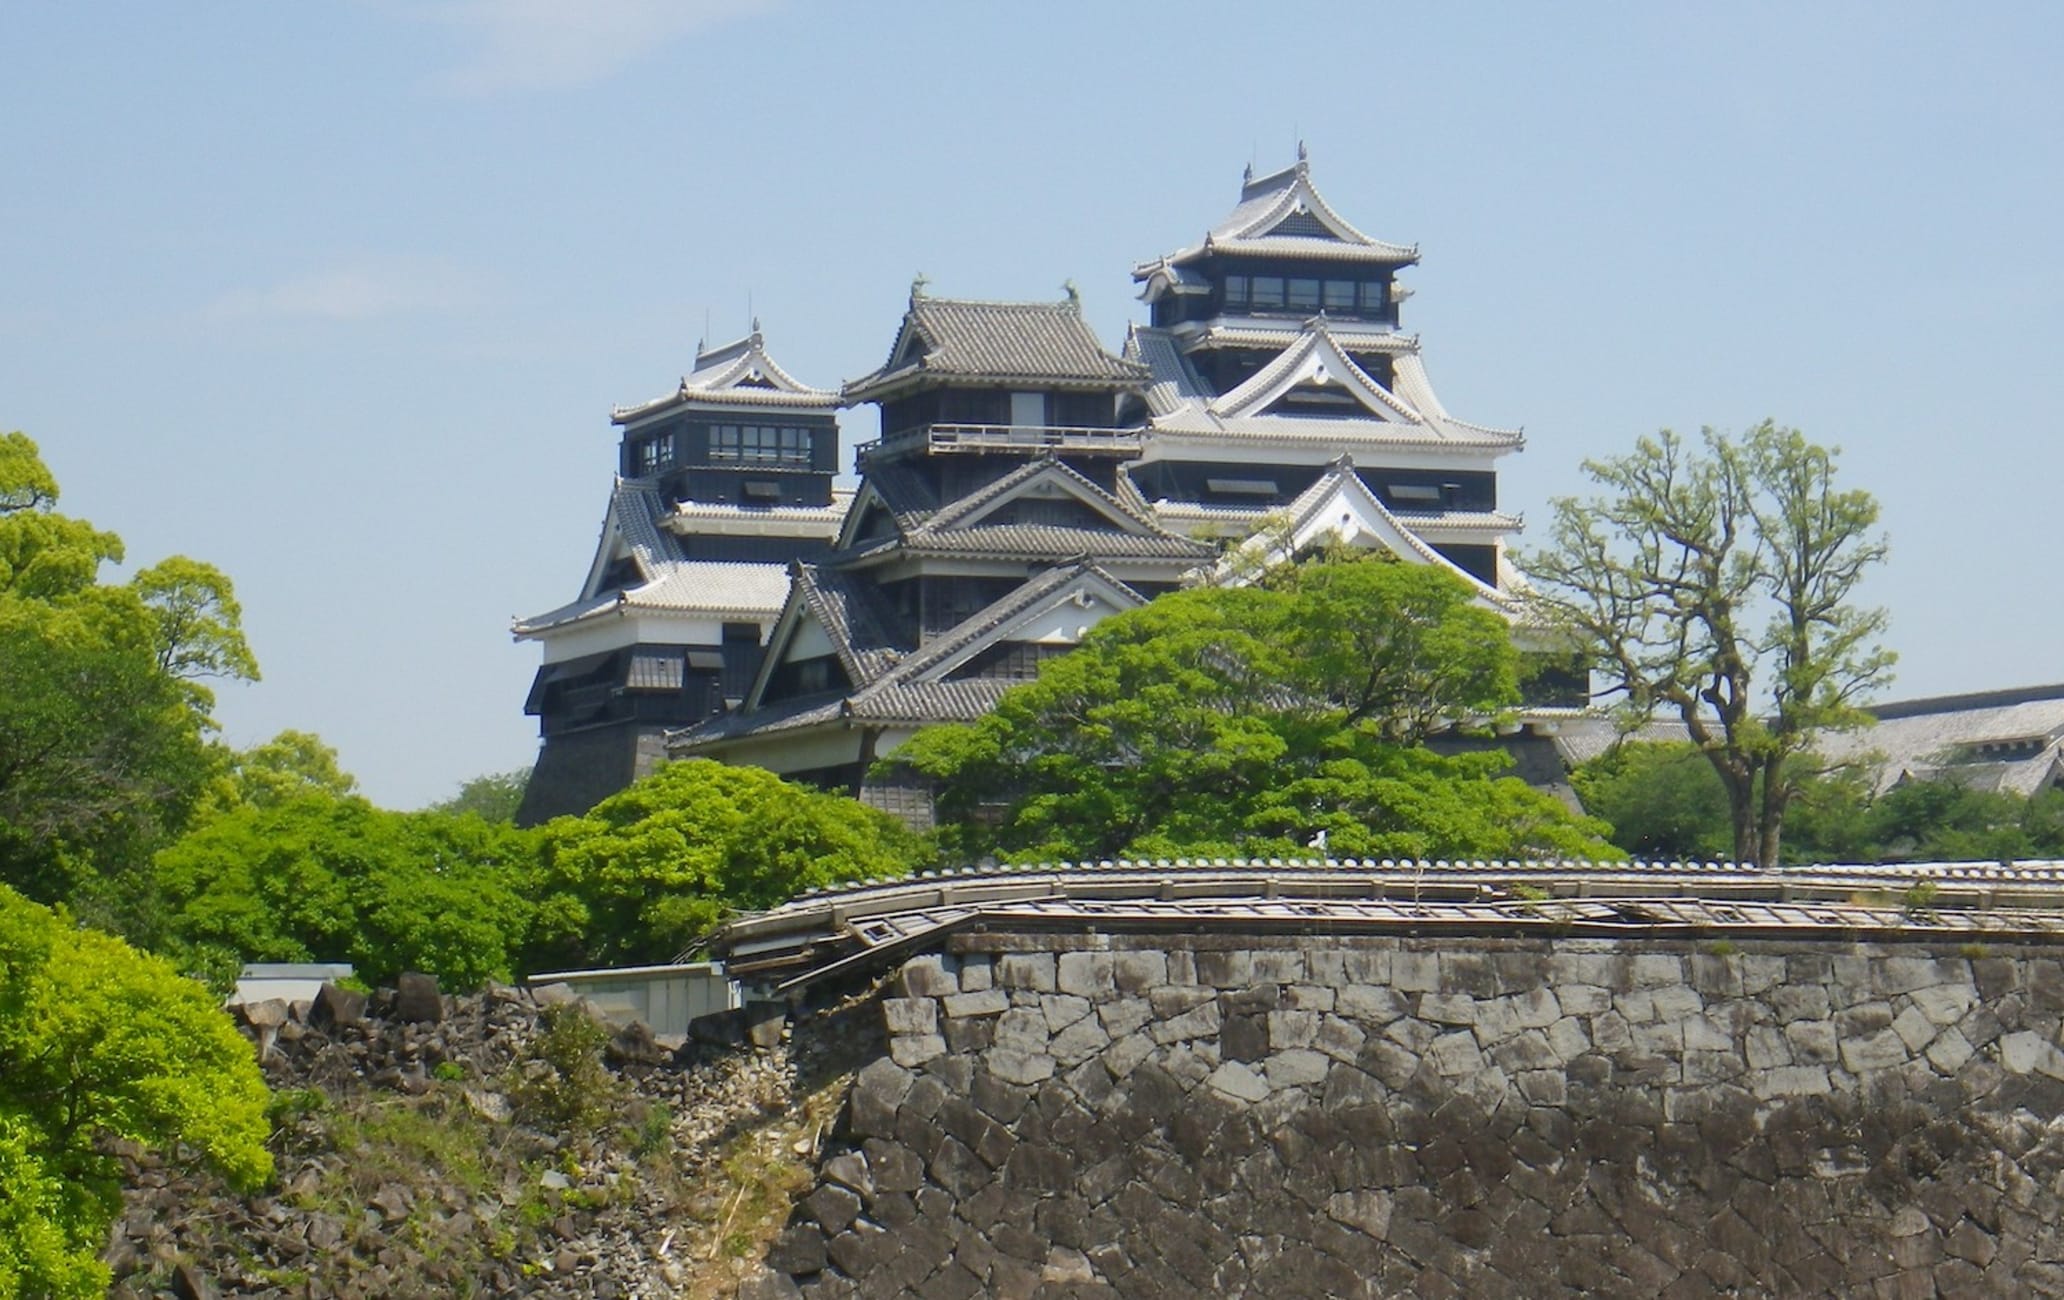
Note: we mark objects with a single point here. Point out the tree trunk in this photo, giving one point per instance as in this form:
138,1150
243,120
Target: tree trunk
1740,783
1771,813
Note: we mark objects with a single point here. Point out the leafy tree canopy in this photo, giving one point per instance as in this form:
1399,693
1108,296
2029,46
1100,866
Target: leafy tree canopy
99,1041
1665,802
291,764
493,797
1248,719
653,868
1717,583
315,876
104,744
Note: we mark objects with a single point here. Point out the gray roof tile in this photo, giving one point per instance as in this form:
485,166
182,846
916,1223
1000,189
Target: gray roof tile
1054,541
1041,342
862,628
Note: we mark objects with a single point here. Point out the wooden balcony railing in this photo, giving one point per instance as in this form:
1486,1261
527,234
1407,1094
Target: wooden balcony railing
1005,437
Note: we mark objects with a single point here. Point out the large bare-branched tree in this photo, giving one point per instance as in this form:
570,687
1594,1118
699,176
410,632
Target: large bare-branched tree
1716,581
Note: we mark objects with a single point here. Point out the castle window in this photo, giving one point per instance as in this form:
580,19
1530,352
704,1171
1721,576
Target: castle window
761,443
1375,298
1304,295
1340,295
1241,487
1236,291
651,455
1268,291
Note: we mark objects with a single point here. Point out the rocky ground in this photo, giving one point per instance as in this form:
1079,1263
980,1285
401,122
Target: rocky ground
498,1145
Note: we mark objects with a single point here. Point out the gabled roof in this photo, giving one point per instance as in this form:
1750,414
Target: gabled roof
1316,359
1042,473
1407,411
1175,380
2004,740
917,688
668,583
1338,505
1279,215
736,374
1043,343
1080,582
863,633
964,528
635,511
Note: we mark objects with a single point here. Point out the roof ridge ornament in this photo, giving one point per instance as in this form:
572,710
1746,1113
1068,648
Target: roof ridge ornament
1069,287
918,284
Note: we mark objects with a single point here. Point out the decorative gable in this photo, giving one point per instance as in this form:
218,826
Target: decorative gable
1051,613
1319,376
1340,509
1046,492
1305,224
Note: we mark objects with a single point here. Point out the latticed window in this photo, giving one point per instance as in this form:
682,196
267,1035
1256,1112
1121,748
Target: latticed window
651,455
761,444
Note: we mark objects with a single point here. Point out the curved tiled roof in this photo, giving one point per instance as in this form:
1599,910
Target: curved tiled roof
724,511
1254,332
850,611
1045,465
1176,381
1266,204
737,374
1035,342
1053,542
908,687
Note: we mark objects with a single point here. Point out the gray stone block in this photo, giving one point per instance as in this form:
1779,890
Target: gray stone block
910,1015
928,976
1086,974
1026,970
1014,1066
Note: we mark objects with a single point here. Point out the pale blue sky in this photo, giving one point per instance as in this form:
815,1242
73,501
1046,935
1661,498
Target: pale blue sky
339,296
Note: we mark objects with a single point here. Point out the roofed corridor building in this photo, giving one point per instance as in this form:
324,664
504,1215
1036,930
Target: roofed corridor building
1028,482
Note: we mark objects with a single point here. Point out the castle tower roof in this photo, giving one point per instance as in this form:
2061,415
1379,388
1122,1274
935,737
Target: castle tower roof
1046,344
1281,215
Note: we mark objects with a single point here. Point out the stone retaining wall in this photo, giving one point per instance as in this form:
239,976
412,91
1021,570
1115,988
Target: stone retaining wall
1183,1116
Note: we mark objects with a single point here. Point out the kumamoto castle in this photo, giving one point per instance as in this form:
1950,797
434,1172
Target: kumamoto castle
1029,482
1294,1078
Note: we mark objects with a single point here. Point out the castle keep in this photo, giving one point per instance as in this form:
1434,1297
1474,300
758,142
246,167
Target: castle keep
1028,482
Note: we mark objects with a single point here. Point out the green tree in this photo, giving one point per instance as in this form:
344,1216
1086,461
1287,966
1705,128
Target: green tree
655,867
319,877
1718,585
1944,821
1246,720
1662,800
1400,648
101,1042
197,622
493,797
43,554
104,744
291,764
